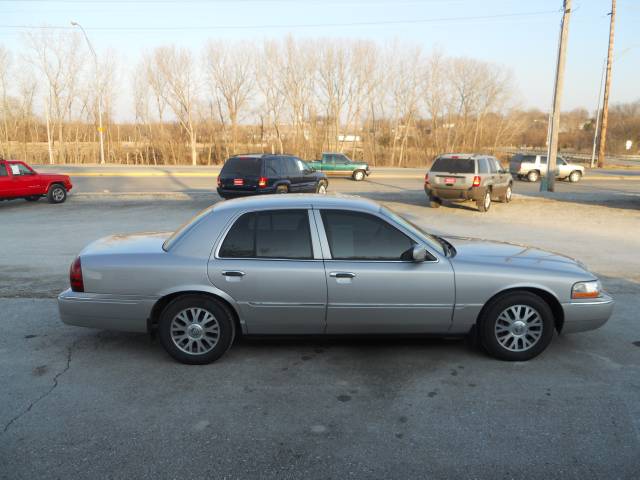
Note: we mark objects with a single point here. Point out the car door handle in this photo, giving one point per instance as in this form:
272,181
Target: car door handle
233,273
342,274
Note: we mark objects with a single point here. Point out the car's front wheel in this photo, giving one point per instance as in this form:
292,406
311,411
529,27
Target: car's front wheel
575,176
322,188
56,194
506,196
196,329
533,176
358,175
517,326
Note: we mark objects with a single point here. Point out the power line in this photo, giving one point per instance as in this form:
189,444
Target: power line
299,25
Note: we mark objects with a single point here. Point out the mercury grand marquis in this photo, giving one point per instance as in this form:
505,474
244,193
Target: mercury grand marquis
326,265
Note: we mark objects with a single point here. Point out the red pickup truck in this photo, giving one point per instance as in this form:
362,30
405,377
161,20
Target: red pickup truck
19,180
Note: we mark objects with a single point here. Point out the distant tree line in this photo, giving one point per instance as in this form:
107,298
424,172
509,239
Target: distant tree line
390,104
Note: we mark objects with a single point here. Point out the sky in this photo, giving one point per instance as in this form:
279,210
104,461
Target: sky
521,35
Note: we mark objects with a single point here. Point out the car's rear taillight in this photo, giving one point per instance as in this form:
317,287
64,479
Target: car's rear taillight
75,276
426,178
262,182
476,181
219,182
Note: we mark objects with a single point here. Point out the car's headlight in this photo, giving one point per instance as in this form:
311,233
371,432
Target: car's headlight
586,289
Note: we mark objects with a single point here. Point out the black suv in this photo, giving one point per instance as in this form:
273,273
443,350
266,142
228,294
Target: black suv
259,173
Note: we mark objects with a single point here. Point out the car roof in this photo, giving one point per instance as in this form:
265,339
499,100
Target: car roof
463,155
299,200
261,155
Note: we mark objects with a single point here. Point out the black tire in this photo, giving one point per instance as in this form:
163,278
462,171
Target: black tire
56,194
484,204
322,187
533,176
33,198
575,176
489,337
282,189
221,314
359,175
506,196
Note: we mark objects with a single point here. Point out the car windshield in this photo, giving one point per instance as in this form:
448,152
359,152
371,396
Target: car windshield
454,165
431,240
184,228
242,167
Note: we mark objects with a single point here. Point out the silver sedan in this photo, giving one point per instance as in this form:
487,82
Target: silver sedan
310,265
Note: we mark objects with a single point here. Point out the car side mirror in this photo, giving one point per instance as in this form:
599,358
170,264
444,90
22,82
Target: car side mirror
419,253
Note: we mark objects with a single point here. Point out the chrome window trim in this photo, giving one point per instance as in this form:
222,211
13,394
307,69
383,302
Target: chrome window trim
324,241
317,255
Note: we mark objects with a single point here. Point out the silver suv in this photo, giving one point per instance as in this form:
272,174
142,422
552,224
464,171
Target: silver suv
465,176
532,167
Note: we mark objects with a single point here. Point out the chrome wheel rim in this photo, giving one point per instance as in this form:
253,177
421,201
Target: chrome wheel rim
359,175
58,194
322,189
195,331
533,177
518,328
574,177
487,200
509,193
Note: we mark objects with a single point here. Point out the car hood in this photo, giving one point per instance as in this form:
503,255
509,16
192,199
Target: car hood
492,252
145,242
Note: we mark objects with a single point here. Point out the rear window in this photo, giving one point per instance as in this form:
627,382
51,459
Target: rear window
242,167
454,165
523,158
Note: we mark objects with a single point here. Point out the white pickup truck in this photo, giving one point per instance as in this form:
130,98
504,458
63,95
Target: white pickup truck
531,167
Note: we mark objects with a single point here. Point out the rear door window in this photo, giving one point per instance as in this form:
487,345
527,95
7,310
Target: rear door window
282,234
274,167
543,160
242,167
483,165
493,165
454,165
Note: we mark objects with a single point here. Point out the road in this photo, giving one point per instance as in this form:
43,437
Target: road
83,403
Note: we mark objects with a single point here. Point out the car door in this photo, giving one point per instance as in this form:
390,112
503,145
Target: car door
372,286
270,263
25,181
564,169
542,164
308,183
500,181
328,163
294,174
343,164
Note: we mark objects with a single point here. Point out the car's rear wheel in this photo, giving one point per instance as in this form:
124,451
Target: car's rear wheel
196,329
322,188
517,326
32,198
56,194
282,189
533,176
506,196
358,175
484,204
575,176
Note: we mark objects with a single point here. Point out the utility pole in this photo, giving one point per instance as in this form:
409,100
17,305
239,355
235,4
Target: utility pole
548,183
95,59
596,130
607,86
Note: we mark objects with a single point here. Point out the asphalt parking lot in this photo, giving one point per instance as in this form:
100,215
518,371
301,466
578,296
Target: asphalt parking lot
85,403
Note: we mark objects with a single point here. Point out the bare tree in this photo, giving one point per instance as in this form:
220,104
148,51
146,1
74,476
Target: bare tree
230,68
174,71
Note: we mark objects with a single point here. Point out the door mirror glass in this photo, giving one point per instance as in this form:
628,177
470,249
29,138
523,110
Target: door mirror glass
419,253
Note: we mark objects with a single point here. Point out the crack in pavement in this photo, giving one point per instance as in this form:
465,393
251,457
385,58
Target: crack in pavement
48,392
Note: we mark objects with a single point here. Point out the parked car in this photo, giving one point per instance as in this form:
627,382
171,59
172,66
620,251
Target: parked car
257,174
532,167
464,176
324,264
340,164
19,180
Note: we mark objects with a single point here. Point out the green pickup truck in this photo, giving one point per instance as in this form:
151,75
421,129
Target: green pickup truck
340,164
